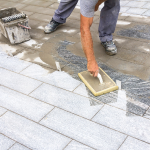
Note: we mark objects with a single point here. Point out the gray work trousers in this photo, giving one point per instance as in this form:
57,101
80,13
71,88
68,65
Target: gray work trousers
108,17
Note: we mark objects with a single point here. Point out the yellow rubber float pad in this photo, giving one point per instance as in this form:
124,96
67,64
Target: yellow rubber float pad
94,85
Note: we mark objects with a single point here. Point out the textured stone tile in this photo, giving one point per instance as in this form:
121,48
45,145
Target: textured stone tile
147,114
59,79
2,110
5,142
41,17
82,130
77,146
66,100
137,11
122,3
40,10
12,4
147,5
147,13
124,9
40,3
81,90
31,134
122,121
17,82
18,146
135,4
131,104
134,144
13,63
23,105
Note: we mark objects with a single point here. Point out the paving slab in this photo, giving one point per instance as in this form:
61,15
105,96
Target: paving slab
77,146
2,110
66,100
5,142
134,144
31,134
58,79
13,63
18,146
18,82
124,122
85,131
23,105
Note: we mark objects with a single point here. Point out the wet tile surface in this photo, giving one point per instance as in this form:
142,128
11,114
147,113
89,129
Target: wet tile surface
80,130
18,147
66,100
124,122
23,105
5,142
133,144
43,138
17,82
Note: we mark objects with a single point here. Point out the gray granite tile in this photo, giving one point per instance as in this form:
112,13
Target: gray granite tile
135,4
31,134
137,11
85,131
66,100
134,144
122,121
2,110
77,146
147,114
123,3
147,13
130,103
13,63
17,82
82,90
18,146
147,5
59,79
5,142
23,105
124,9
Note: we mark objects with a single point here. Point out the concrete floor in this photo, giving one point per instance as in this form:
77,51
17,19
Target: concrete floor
42,108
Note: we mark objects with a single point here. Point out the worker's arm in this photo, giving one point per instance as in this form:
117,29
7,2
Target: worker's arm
87,44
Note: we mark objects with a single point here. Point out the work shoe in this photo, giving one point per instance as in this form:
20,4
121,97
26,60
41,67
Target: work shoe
110,47
52,26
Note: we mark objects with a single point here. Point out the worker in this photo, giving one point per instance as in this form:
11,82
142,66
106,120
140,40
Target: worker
108,19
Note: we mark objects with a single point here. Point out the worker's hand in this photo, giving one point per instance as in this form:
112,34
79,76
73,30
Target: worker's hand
93,68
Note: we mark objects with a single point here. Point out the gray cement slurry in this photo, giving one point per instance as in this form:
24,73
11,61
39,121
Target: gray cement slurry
137,91
137,31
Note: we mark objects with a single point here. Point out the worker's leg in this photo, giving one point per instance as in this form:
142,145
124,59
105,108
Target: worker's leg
64,10
108,19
